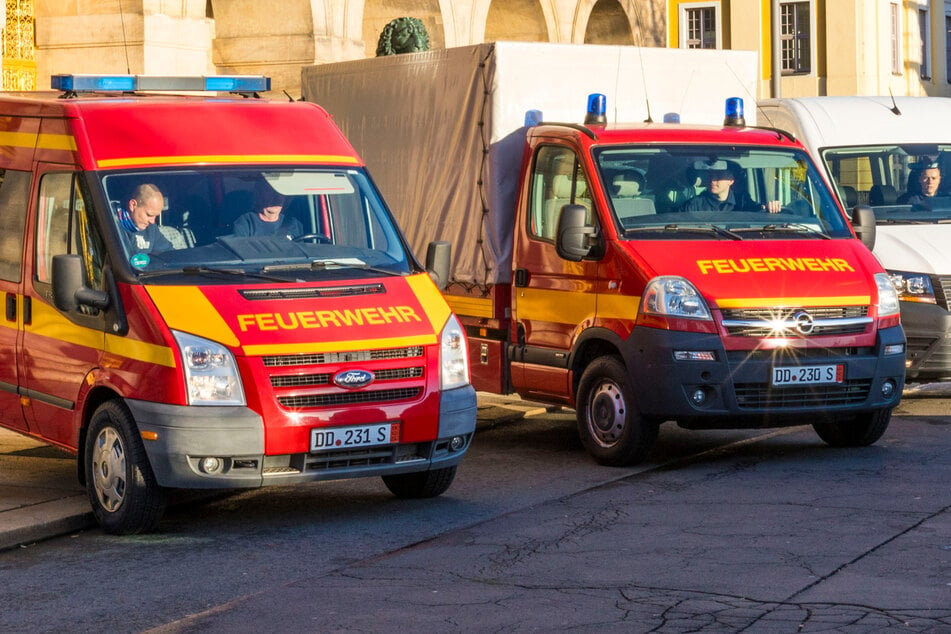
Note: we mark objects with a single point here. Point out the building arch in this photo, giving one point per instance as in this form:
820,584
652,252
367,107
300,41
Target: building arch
626,22
608,23
516,20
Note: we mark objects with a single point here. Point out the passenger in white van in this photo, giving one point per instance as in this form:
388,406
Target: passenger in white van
928,182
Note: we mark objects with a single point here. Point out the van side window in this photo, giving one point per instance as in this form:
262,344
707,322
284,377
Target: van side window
557,180
14,198
62,226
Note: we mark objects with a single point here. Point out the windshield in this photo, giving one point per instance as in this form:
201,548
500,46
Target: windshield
718,192
266,222
903,184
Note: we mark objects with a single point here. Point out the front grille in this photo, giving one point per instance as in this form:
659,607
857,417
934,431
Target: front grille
305,380
761,396
292,360
772,322
349,398
312,293
942,290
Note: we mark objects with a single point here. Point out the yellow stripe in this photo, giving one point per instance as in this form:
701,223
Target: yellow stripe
48,322
140,351
187,309
618,306
563,307
794,302
44,141
57,142
337,346
431,299
471,306
227,158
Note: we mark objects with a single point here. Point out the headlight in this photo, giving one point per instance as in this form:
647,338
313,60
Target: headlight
887,295
673,296
453,355
211,374
912,287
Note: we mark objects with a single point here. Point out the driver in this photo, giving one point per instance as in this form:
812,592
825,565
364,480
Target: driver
719,194
269,219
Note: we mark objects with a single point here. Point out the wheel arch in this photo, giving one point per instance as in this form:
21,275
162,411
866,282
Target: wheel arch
590,345
95,397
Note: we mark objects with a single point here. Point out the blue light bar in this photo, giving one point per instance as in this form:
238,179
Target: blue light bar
132,83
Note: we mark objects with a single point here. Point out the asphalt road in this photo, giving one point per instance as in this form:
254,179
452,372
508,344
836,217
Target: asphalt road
767,531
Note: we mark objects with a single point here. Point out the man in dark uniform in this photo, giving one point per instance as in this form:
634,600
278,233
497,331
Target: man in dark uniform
141,234
719,194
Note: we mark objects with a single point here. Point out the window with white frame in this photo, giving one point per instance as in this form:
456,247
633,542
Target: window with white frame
796,37
924,33
700,25
894,9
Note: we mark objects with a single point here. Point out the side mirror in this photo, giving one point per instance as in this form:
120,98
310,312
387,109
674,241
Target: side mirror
69,285
863,221
573,236
438,262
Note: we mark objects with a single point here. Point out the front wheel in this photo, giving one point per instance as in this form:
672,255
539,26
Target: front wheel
122,489
611,428
861,431
422,484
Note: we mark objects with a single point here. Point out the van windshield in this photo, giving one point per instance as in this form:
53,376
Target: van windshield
718,192
288,222
903,184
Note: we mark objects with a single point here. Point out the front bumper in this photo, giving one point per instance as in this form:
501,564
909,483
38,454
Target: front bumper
736,385
235,435
928,328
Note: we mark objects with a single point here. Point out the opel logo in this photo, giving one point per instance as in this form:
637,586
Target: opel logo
804,322
354,379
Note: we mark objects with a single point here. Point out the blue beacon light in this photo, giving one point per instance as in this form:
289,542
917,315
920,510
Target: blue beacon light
734,112
597,106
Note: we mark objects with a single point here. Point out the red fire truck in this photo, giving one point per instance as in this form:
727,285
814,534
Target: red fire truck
148,333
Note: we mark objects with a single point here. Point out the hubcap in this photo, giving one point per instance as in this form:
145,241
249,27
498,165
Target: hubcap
607,414
108,469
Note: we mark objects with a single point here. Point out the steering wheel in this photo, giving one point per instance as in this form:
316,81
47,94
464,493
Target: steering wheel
316,238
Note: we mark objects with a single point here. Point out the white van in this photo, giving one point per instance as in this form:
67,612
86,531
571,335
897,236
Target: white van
876,151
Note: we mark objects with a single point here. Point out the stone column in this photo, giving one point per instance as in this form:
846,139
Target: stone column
125,36
278,37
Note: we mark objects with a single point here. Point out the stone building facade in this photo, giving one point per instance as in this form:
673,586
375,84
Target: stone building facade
825,46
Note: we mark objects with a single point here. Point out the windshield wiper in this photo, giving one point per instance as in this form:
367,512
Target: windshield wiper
208,270
330,263
707,228
796,227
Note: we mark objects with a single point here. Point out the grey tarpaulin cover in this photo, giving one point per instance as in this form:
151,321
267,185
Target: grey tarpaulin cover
442,132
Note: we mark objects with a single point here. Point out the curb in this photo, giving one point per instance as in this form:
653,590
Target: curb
45,520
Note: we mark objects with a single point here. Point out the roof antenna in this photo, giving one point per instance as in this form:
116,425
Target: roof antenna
894,104
125,42
640,56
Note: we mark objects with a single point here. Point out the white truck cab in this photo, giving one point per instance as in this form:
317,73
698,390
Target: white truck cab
893,155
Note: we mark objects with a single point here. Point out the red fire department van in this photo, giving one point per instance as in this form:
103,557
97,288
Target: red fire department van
171,341
641,272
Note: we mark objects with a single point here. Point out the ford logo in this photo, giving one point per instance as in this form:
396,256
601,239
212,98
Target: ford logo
354,379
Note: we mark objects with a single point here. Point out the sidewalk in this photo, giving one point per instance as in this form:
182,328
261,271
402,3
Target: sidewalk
40,495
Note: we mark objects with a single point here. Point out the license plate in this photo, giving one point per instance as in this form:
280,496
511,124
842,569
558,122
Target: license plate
808,374
324,439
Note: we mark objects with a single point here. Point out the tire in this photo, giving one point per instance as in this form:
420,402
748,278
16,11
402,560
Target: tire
611,428
122,489
861,431
422,484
